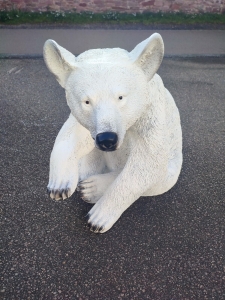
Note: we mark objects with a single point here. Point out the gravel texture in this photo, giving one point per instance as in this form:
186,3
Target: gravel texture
162,248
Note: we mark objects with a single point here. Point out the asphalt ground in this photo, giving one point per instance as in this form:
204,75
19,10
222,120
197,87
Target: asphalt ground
29,41
166,247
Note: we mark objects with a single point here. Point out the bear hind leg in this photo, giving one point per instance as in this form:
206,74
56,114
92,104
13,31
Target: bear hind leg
173,172
93,188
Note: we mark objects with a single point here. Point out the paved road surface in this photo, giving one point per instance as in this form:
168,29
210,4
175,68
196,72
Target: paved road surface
162,248
29,42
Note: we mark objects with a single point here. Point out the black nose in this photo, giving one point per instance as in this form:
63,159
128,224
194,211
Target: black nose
107,141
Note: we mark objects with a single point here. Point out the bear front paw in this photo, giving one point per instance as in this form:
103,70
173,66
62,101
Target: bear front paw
61,193
101,219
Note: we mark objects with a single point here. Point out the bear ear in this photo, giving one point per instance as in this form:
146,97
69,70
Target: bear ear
149,54
59,61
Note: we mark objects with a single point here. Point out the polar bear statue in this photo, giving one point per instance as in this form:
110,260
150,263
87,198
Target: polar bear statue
123,137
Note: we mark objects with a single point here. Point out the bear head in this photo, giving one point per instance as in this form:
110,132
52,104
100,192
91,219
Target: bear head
106,89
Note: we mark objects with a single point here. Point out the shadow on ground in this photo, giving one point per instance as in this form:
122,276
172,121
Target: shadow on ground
165,247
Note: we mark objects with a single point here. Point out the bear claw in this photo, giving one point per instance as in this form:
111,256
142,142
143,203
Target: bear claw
94,228
58,194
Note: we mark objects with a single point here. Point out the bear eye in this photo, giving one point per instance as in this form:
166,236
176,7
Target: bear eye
87,102
120,97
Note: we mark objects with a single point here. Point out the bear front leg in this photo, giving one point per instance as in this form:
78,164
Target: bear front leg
72,142
140,173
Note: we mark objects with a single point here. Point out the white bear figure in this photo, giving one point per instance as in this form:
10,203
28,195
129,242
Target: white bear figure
123,138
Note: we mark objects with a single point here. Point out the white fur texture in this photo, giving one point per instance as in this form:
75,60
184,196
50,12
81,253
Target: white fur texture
148,158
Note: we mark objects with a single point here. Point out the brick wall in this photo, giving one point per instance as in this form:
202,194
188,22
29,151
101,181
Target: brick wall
189,6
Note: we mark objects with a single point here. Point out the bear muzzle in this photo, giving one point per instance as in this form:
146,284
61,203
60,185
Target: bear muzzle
107,141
